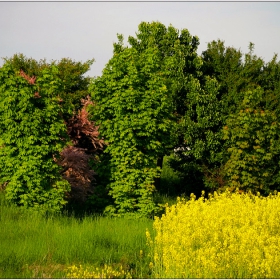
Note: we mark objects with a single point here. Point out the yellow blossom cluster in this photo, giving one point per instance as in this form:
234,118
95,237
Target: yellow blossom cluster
108,272
228,235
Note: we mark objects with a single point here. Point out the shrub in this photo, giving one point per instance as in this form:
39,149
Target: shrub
76,159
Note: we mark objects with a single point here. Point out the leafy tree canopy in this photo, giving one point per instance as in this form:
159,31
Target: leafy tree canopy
138,98
207,113
74,83
33,134
253,143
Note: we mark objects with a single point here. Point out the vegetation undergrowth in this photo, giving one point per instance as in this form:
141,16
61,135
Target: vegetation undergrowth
228,235
171,184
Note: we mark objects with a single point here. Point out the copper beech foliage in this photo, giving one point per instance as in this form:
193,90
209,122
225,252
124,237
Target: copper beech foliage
76,170
75,159
82,131
30,80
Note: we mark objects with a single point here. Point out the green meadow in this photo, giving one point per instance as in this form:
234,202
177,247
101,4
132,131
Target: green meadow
33,246
36,246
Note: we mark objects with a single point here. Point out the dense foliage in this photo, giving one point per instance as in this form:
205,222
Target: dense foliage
74,85
217,111
203,164
68,87
253,142
77,158
32,134
136,106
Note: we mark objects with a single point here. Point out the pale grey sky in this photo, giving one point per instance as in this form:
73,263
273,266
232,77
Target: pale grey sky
86,30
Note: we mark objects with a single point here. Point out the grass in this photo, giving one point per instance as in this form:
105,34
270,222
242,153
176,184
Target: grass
33,246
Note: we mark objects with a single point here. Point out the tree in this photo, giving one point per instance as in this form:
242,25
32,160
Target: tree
138,106
270,82
253,146
219,93
234,71
75,159
74,83
32,135
201,159
253,142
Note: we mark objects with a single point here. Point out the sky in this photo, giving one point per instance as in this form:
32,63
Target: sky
87,30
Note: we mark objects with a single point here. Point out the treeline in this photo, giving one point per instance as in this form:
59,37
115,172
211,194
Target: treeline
99,143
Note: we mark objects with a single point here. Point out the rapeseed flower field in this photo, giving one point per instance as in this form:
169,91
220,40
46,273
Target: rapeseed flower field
228,235
108,272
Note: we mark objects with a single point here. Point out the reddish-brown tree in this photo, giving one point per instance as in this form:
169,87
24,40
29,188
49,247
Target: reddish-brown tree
75,159
82,131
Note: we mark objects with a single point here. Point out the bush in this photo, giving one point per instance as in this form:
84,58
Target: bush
76,160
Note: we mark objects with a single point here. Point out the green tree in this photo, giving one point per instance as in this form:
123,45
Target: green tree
253,143
230,74
33,134
225,65
270,82
202,121
138,105
74,83
234,71
29,66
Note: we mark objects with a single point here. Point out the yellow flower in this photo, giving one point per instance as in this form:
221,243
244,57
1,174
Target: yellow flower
228,235
108,272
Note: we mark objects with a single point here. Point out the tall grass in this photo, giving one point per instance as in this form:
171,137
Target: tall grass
225,236
33,246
